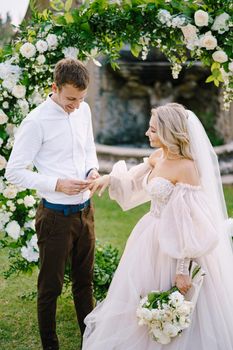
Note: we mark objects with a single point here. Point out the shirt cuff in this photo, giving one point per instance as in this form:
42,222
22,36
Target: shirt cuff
182,266
90,171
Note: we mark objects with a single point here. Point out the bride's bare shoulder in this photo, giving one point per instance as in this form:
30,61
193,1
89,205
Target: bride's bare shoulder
187,172
155,155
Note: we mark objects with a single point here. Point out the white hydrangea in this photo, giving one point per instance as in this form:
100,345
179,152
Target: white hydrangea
220,56
178,21
70,52
3,117
41,59
13,229
221,24
3,162
24,106
52,41
201,18
9,82
208,41
29,201
9,70
19,91
28,50
165,17
10,192
42,46
29,253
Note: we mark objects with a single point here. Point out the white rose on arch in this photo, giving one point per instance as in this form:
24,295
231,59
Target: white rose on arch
28,50
29,201
42,46
208,41
13,229
19,91
220,56
10,192
3,162
3,117
52,41
221,23
201,18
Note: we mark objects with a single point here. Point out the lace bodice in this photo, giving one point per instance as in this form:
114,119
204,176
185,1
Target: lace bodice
160,190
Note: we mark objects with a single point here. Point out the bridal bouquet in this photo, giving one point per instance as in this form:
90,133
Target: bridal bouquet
168,313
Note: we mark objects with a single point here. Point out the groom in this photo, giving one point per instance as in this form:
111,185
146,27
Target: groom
57,138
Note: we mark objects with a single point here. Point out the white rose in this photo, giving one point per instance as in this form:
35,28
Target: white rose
170,330
189,31
220,56
29,201
5,105
178,21
221,23
13,229
71,52
10,192
3,117
11,129
208,41
201,18
230,66
3,162
176,299
41,59
9,82
164,17
29,253
19,91
24,106
28,50
52,41
42,46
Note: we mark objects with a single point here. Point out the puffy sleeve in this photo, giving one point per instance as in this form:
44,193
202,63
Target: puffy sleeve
126,186
187,228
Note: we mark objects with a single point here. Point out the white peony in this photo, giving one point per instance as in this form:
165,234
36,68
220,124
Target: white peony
13,229
28,50
41,46
221,23
3,162
71,52
3,117
208,41
220,56
201,18
170,330
176,299
29,201
10,192
52,41
24,106
19,91
41,59
230,66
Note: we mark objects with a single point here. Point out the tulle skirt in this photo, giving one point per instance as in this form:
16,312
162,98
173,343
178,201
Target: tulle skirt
144,267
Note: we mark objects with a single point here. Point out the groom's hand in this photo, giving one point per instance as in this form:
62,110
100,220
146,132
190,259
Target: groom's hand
71,187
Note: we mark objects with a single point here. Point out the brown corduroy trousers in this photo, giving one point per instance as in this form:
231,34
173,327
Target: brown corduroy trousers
61,238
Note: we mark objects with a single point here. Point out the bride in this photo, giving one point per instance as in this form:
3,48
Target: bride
187,220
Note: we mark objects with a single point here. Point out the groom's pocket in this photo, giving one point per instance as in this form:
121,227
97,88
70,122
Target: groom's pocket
45,222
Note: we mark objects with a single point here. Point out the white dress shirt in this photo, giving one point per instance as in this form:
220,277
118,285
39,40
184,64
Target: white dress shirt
60,145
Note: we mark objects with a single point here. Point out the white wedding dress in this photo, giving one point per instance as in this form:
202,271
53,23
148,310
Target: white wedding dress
178,225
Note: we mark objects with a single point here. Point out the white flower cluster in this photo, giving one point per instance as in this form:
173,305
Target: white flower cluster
168,318
166,18
30,252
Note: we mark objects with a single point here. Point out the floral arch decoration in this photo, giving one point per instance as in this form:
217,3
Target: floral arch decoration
185,31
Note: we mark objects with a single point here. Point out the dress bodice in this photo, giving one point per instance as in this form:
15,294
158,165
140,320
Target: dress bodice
160,191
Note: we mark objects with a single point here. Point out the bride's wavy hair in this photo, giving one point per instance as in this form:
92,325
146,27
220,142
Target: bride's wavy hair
172,128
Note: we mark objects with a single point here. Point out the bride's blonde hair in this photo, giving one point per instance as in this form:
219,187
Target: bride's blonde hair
172,128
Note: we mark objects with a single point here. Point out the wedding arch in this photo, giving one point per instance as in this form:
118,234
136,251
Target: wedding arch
184,31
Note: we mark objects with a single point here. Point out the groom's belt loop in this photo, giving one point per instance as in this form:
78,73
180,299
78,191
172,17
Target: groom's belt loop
67,209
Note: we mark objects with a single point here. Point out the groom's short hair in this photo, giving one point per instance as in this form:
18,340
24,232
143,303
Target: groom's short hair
71,71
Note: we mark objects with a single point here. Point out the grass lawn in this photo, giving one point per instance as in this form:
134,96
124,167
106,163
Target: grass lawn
18,322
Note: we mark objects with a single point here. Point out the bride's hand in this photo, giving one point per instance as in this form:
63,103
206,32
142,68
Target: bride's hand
99,184
183,283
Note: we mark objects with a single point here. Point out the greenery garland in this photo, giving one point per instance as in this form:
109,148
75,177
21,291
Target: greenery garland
185,31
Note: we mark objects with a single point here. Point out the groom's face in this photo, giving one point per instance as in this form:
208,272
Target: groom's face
69,97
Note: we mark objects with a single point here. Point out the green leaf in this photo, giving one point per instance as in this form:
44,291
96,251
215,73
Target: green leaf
216,82
136,49
68,5
214,66
209,79
68,17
